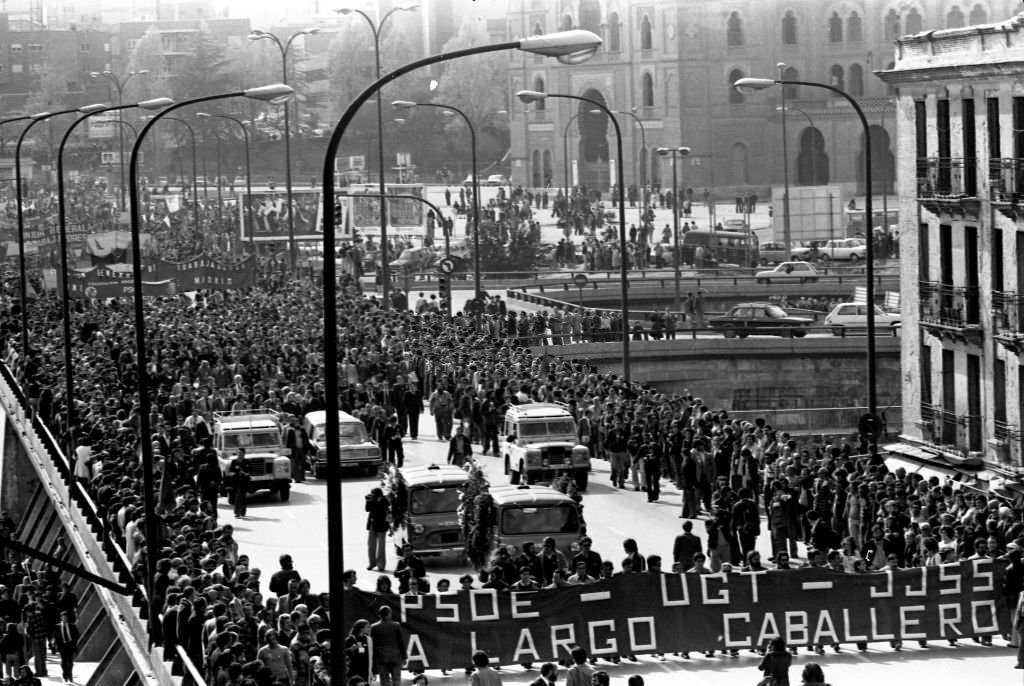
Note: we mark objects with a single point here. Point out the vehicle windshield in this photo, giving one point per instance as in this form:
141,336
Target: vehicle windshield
551,427
251,439
434,500
545,519
775,312
349,433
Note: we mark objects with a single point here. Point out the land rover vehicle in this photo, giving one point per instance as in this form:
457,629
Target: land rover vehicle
424,507
259,433
355,445
532,513
541,441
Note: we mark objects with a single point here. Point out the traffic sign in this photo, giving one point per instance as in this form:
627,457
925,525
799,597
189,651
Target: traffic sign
580,279
446,265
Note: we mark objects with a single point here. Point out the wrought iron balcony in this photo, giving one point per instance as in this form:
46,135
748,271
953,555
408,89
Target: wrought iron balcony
950,311
948,185
1006,184
957,435
1008,319
1008,433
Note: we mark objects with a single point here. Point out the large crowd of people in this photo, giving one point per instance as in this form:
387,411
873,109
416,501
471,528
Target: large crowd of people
825,504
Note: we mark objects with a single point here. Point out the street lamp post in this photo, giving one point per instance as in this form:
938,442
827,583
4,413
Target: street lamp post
533,96
284,47
266,94
376,27
119,85
787,236
643,146
195,168
569,46
675,153
408,104
248,172
869,258
69,376
22,266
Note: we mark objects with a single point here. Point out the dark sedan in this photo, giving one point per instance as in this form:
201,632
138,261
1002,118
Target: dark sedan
759,318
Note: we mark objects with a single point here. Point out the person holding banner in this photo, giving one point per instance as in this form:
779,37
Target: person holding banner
775,664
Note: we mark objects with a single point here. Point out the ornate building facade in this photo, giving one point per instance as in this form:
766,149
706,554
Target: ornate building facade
669,64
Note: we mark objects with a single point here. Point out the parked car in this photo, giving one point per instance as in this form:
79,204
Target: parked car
759,318
853,317
788,271
496,180
847,249
773,253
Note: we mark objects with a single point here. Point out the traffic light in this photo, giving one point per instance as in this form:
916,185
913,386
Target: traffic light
444,292
870,426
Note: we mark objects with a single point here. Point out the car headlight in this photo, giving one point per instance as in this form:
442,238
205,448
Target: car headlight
418,528
532,454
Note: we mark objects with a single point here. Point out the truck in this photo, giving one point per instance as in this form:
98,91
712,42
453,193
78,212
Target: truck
542,442
260,433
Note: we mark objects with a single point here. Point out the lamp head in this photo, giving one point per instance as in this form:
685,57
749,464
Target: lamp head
683,150
275,94
40,115
92,109
312,30
203,115
568,47
750,84
95,74
408,7
155,103
403,104
528,97
664,152
256,34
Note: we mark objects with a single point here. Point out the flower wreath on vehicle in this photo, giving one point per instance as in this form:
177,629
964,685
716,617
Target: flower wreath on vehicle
476,515
397,494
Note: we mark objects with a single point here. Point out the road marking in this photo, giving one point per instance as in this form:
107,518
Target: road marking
817,585
596,595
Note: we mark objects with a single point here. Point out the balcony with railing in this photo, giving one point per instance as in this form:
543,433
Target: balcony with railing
951,311
1008,320
955,435
948,185
1006,185
1006,441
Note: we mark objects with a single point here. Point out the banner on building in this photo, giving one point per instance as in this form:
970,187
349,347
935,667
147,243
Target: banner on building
663,613
162,277
270,215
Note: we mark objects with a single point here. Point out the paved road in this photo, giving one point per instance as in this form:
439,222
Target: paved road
300,528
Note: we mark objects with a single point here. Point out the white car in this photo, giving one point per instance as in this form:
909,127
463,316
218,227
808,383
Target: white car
847,249
846,318
801,272
496,180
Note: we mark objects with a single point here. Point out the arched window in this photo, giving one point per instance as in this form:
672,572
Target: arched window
856,80
892,25
590,16
735,97
789,28
978,15
790,91
854,28
567,22
646,34
535,169
614,33
955,18
835,28
538,85
913,22
642,164
734,30
836,77
547,168
538,29
647,89
740,164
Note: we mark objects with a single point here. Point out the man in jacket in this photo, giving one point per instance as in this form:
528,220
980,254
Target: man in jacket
67,645
388,641
377,526
459,448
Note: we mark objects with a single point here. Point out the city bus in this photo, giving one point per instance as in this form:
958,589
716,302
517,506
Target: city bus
719,248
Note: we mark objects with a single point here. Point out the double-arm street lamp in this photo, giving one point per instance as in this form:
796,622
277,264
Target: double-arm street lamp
535,96
119,84
248,172
69,376
283,48
408,104
274,94
675,154
755,84
571,47
376,27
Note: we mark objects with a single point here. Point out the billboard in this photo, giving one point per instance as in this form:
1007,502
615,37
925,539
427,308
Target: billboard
270,215
406,216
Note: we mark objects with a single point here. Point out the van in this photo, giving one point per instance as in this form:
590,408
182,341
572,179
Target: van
355,445
532,513
720,248
259,432
425,507
542,442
